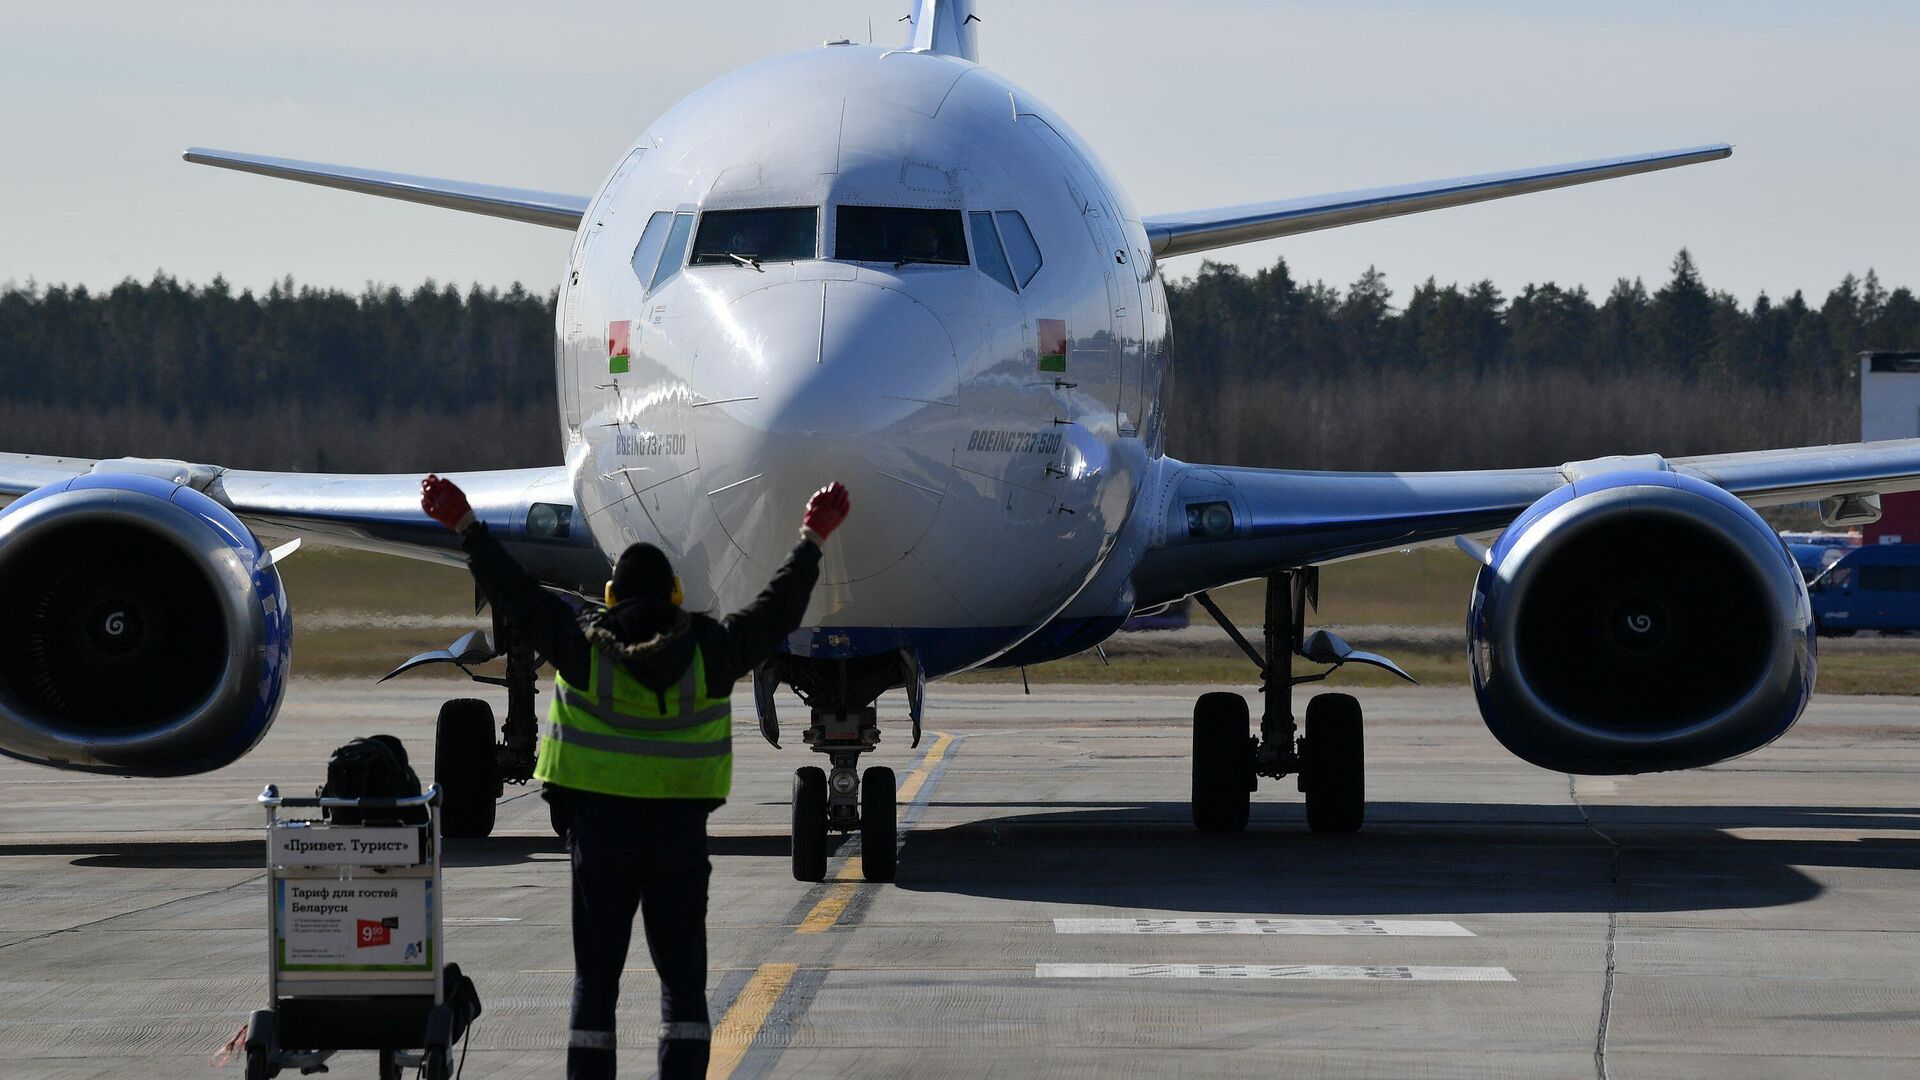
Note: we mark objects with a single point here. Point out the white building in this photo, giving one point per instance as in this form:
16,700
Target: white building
1890,409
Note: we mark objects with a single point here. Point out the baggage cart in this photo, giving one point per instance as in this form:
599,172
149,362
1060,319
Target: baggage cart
354,931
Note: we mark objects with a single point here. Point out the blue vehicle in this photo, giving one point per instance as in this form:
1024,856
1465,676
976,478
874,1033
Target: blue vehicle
1814,558
1870,588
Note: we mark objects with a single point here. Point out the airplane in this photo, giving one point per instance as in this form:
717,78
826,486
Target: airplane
892,267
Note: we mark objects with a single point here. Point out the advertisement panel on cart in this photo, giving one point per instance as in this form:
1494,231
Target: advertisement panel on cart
378,924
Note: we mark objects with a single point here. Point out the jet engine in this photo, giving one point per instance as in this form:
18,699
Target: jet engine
143,629
1636,622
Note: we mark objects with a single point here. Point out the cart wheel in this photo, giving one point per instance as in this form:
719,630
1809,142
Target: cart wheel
263,1036
438,1064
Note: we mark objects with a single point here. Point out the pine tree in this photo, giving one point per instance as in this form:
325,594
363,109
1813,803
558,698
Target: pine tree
1682,319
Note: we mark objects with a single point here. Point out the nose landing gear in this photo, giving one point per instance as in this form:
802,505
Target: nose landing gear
845,724
844,800
1329,759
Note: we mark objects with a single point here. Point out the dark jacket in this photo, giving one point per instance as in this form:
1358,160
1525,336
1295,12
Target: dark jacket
654,639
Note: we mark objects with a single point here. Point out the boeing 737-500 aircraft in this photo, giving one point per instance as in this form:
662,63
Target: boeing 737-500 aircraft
895,268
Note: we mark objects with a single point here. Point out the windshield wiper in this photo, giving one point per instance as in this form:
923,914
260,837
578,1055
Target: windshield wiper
752,261
926,262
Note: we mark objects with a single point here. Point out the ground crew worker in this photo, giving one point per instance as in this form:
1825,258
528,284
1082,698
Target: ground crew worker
637,752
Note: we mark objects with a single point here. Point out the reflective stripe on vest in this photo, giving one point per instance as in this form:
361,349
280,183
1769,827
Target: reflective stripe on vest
601,706
619,737
625,744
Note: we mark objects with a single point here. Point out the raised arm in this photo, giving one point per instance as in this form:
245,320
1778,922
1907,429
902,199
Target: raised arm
537,615
755,631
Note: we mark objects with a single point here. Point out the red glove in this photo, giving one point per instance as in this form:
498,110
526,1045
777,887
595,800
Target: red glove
825,511
445,503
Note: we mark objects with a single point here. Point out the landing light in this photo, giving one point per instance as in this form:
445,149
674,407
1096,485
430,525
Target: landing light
550,521
1209,521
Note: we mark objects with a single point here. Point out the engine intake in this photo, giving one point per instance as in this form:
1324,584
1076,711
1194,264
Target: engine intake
143,629
1636,622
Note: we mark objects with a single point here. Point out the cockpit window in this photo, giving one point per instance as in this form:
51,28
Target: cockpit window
675,252
900,235
646,254
751,237
987,250
1022,252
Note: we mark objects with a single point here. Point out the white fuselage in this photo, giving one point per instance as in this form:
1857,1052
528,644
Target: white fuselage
991,482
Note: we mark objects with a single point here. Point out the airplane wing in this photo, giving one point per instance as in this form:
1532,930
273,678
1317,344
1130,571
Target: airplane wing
548,208
1204,230
531,511
1283,518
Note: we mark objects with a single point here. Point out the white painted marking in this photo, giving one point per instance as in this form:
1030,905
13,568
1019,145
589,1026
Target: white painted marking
1314,927
1380,972
477,920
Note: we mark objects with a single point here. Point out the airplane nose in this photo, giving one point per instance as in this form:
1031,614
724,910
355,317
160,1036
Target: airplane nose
806,382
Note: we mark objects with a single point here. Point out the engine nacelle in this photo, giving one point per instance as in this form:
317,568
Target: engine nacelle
143,630
1636,622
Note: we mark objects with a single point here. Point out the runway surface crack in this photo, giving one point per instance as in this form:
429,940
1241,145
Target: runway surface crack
91,923
1613,931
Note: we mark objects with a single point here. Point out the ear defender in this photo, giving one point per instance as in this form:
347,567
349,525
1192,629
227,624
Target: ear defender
679,595
609,594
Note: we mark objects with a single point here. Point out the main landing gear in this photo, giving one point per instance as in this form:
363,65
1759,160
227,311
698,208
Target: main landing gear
1328,759
470,763
840,798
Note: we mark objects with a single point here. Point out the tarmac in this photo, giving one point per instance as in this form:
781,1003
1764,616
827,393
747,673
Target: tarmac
1057,915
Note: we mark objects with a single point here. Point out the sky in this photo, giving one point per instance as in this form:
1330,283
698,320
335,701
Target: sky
1195,104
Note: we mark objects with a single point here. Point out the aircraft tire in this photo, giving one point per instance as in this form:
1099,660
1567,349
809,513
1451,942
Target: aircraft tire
879,824
1223,777
809,824
466,769
1333,768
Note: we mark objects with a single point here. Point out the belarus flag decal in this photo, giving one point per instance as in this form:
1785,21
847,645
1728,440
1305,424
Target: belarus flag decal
1053,344
617,354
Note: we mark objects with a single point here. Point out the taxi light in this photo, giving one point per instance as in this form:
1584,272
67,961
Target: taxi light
1209,520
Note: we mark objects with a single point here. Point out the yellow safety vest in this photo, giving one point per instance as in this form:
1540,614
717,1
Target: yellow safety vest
618,737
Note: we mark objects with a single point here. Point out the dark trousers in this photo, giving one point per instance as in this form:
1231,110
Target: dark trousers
649,854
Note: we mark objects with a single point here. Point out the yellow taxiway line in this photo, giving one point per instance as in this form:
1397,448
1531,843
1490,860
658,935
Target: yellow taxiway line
917,779
742,1023
750,1010
834,904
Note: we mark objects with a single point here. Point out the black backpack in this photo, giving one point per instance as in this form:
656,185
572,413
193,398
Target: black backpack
462,997
372,768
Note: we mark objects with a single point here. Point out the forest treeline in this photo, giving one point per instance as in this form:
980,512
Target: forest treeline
290,378
1269,371
1280,373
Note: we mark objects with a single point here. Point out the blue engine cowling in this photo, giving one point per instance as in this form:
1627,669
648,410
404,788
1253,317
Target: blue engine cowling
1637,622
143,629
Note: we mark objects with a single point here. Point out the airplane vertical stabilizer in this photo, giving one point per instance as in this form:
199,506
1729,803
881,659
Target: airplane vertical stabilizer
946,26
